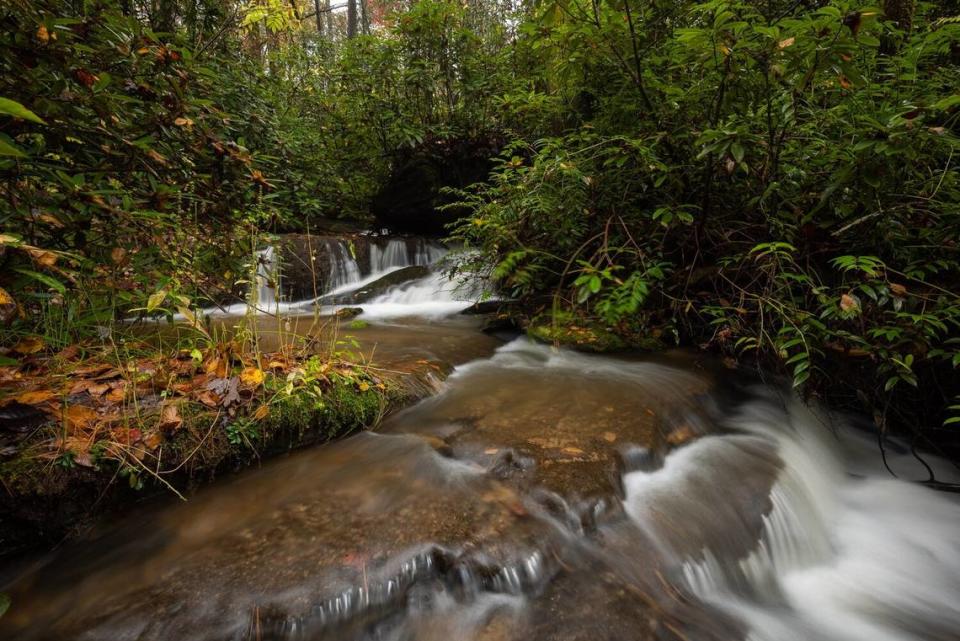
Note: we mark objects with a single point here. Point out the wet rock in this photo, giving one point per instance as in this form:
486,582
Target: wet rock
307,261
349,312
633,458
484,307
378,287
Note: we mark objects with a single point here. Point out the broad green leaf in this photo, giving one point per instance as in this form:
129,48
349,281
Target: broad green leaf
15,109
46,279
9,149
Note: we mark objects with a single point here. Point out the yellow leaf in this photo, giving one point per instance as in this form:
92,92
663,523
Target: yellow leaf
783,44
29,345
42,256
156,299
6,239
183,122
251,376
51,220
262,412
36,397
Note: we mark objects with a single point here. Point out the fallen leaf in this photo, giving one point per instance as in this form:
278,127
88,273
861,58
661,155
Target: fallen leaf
117,394
69,353
42,257
153,440
262,412
98,389
35,397
170,419
209,399
29,345
252,377
79,416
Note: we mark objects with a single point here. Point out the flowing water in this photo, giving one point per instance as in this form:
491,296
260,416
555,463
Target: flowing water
539,495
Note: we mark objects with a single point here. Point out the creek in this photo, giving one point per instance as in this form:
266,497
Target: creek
540,494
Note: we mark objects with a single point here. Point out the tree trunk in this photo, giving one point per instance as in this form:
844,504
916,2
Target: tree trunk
351,18
900,13
163,16
364,17
318,9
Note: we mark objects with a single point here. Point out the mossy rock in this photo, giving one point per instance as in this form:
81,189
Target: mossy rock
587,337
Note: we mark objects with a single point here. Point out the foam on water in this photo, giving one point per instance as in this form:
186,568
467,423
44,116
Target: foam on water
839,557
433,296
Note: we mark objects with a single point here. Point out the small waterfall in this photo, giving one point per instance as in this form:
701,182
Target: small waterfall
267,275
396,253
840,553
344,269
392,254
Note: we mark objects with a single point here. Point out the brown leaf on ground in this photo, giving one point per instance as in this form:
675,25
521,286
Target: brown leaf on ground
79,416
98,389
118,393
208,398
69,353
35,397
170,419
153,440
80,448
92,370
107,375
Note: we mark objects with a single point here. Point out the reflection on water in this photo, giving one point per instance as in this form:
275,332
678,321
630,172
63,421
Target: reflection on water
541,495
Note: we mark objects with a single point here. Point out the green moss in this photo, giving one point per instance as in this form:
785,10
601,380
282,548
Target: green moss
580,335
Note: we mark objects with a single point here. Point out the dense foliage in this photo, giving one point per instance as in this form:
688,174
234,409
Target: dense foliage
774,179
765,178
